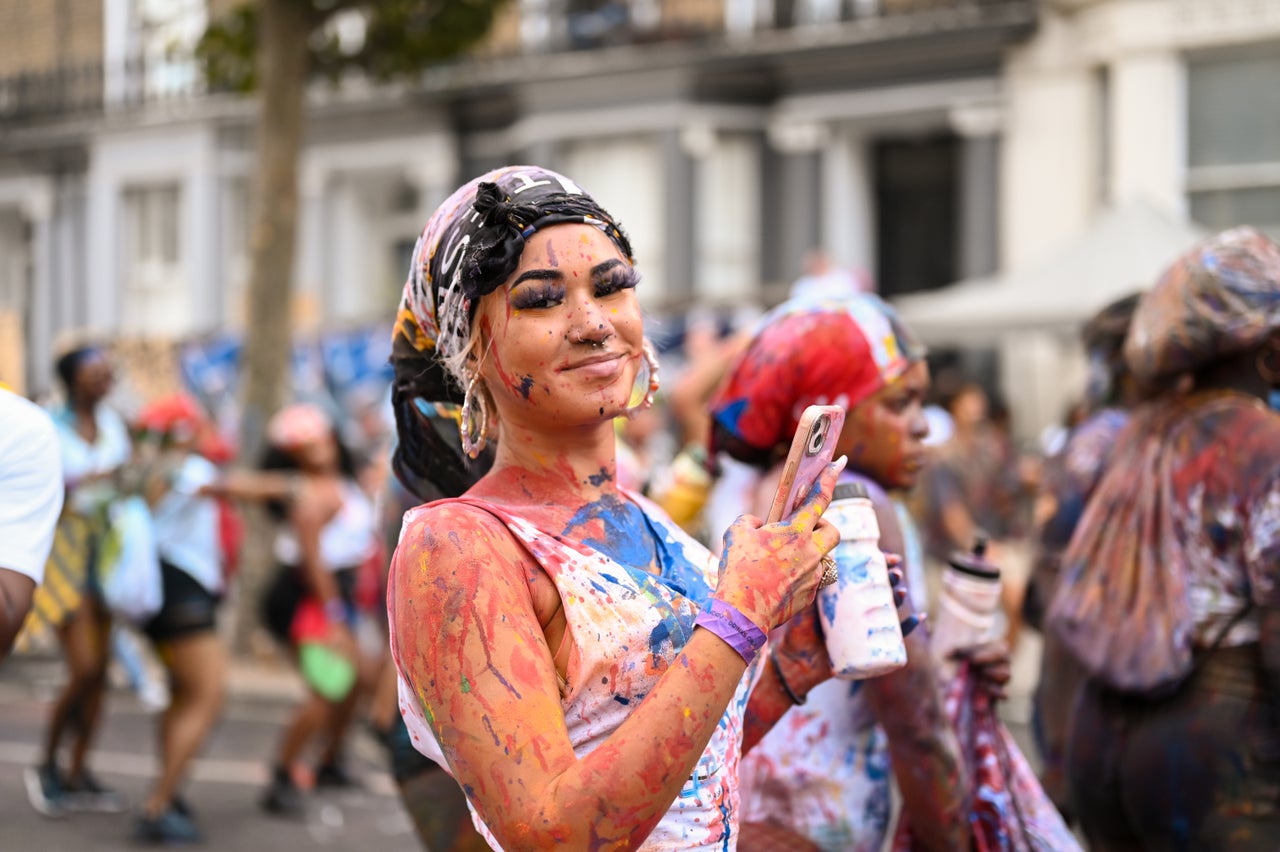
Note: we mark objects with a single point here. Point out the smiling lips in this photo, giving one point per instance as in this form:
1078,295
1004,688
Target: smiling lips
605,365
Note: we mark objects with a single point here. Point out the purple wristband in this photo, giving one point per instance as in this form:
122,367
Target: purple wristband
740,632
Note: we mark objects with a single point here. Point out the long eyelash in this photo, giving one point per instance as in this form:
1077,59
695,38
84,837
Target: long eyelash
624,278
530,295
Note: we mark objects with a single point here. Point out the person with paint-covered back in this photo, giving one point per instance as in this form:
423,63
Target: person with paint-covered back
1175,738
587,672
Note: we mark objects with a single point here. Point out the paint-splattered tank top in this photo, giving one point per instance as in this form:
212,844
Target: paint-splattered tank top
627,626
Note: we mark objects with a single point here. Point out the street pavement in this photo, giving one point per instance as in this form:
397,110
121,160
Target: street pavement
226,780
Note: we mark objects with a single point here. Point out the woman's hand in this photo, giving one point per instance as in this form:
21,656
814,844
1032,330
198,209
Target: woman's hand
908,618
770,572
991,664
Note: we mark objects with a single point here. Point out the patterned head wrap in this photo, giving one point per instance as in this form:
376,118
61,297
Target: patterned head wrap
1220,298
807,352
470,246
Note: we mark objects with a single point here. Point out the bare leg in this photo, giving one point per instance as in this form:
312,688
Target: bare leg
82,644
311,716
88,712
197,666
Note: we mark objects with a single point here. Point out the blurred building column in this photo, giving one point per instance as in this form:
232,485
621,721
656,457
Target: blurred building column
41,318
1051,151
792,203
680,223
1147,117
978,126
848,222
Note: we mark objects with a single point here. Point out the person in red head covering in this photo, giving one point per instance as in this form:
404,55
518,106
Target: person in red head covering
176,482
824,773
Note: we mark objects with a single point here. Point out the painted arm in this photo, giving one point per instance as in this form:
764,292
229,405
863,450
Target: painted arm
924,751
469,640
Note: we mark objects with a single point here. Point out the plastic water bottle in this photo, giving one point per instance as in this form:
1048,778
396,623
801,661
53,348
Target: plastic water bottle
968,605
858,614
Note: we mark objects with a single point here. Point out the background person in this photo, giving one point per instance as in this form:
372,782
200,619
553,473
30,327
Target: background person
826,770
31,495
1169,594
1070,476
94,444
176,483
327,535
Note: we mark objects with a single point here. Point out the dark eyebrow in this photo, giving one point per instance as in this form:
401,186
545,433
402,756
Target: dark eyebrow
601,268
555,275
537,275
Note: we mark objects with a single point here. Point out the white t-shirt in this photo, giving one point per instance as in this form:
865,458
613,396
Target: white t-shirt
186,524
81,459
30,485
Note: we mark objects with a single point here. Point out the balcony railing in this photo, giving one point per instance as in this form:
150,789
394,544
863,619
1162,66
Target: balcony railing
551,26
94,89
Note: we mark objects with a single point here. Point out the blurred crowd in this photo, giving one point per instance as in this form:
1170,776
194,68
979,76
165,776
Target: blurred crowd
1141,536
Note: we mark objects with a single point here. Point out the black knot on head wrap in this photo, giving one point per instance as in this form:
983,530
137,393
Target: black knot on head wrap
504,224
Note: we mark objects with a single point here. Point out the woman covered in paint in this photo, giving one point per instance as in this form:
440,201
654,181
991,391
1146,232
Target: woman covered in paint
1070,476
1169,594
582,667
825,770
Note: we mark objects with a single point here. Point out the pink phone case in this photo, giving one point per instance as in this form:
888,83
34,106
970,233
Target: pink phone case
812,449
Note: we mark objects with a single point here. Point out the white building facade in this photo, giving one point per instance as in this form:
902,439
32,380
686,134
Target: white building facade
925,141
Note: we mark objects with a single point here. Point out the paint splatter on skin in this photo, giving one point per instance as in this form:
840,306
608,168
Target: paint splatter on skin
522,620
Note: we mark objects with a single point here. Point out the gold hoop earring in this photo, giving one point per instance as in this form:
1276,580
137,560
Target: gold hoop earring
473,420
1269,372
653,383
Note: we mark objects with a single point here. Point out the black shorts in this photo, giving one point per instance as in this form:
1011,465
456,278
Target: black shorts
188,606
285,593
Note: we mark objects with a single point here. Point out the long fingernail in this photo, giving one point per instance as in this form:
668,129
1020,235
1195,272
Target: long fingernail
909,625
839,463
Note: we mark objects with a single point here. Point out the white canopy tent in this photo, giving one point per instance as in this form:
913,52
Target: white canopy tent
1033,317
1124,250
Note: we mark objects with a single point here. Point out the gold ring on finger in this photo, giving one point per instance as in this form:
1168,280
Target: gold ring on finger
829,573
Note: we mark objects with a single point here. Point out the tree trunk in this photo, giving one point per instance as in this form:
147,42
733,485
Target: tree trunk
282,66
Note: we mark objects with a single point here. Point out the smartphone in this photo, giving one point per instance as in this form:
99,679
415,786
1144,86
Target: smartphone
812,449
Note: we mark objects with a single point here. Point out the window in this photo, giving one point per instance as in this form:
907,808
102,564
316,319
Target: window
156,301
166,31
917,201
1233,140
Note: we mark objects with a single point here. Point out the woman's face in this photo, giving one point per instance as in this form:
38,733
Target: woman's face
883,435
93,379
318,455
560,342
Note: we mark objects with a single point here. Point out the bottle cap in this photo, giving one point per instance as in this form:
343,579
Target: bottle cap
975,563
850,491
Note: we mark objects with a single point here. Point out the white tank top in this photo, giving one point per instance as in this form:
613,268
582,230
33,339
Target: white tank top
631,625
345,542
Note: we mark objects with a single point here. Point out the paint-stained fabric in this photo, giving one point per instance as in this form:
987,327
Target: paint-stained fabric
1219,298
1069,479
1010,811
627,626
1183,531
